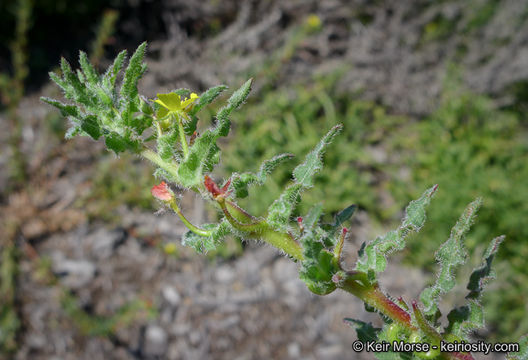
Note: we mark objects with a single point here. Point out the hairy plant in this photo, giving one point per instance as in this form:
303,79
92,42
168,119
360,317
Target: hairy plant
164,131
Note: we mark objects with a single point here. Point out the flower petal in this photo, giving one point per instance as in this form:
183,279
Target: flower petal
171,101
162,192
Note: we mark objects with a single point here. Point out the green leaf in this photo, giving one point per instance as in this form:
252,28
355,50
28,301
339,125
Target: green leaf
140,123
166,144
365,331
75,90
90,126
465,319
373,256
281,209
66,110
241,182
204,153
318,265
88,70
203,244
311,219
234,102
523,353
118,143
339,219
344,215
303,174
206,98
133,72
484,273
110,76
450,255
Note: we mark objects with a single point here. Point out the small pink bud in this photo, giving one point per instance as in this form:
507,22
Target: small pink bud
345,230
299,220
162,192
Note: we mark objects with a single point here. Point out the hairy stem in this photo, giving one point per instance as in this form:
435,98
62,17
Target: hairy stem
198,231
152,156
183,139
373,296
260,229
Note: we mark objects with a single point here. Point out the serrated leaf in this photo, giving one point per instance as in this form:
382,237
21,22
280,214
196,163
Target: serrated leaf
72,132
140,123
166,143
241,182
281,209
65,109
118,143
133,72
110,76
465,319
207,97
303,174
523,350
311,219
75,90
203,244
339,219
365,331
90,126
451,254
234,102
318,265
88,69
204,153
373,256
390,355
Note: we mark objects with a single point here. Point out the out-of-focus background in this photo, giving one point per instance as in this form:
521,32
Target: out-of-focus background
428,92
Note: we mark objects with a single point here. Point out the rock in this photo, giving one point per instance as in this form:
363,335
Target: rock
294,350
171,295
155,342
74,273
225,274
104,242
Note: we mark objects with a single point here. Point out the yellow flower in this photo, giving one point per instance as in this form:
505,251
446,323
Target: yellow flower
313,22
170,249
173,103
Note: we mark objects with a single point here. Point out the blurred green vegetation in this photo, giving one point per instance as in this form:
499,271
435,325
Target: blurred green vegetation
9,321
468,145
117,182
291,120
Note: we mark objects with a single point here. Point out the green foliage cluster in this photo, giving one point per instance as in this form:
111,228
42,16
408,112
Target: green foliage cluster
9,321
472,149
467,145
164,132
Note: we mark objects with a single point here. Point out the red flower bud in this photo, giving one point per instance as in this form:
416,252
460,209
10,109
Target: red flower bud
162,192
211,186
